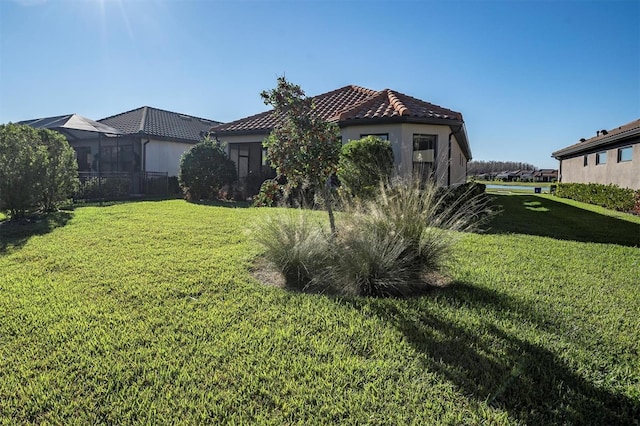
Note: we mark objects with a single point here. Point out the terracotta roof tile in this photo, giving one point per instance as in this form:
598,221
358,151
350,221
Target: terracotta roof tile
351,103
157,122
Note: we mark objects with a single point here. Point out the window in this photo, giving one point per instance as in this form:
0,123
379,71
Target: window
601,157
625,154
264,157
424,155
586,161
116,158
383,136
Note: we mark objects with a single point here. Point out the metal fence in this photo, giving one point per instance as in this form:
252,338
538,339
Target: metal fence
121,185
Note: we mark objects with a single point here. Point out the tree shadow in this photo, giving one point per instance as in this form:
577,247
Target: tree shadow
533,384
15,233
533,215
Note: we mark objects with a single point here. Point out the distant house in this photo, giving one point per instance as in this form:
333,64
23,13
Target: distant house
154,138
424,137
508,176
610,157
546,175
527,175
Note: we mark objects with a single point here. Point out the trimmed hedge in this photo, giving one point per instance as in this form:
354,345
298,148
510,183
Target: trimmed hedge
608,196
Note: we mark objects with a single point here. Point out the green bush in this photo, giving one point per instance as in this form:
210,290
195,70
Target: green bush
105,188
205,169
363,164
608,196
37,169
269,195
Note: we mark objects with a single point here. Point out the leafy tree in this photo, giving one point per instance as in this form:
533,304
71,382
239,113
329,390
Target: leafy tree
61,171
22,168
205,169
302,146
364,163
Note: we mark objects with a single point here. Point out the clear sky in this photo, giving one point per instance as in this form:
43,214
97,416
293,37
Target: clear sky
529,77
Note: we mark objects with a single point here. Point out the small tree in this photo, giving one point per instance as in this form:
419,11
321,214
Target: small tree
364,164
23,161
205,169
302,147
61,171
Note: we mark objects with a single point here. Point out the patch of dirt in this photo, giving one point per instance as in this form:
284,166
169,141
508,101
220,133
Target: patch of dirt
266,274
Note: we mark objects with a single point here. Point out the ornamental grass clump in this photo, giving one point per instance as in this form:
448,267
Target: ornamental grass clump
392,245
297,246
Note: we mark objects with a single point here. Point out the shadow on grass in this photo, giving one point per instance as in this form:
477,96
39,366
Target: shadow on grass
533,384
16,233
532,215
219,203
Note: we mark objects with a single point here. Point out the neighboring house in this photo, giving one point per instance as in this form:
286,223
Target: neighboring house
610,157
425,138
154,140
527,175
508,176
546,175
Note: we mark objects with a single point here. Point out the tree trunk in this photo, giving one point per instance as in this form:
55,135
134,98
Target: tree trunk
327,203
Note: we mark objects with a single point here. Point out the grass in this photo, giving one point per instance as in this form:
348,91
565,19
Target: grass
516,183
147,313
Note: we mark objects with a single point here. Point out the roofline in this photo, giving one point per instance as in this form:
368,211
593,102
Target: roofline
586,146
145,109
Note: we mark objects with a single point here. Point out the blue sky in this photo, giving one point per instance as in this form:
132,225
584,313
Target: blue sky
530,77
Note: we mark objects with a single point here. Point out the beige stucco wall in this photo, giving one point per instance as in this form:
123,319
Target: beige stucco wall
401,138
624,174
164,156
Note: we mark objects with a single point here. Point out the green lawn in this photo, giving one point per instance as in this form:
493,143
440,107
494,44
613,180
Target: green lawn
147,313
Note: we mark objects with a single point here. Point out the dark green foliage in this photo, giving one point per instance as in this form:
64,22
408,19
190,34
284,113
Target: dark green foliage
205,169
37,169
61,172
104,188
173,186
270,194
609,196
364,164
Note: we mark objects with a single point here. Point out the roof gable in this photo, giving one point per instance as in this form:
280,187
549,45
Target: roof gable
348,104
160,123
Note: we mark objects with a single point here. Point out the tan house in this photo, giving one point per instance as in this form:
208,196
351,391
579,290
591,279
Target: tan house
610,157
424,137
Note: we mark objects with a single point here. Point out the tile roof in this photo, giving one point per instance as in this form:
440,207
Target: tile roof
352,104
156,122
602,139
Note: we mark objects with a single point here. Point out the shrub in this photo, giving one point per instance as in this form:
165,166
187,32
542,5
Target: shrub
106,188
205,169
61,172
37,169
609,196
269,195
363,164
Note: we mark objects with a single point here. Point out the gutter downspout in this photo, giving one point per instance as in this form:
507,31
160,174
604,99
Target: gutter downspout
144,164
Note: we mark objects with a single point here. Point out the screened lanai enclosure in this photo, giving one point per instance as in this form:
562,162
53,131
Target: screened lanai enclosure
111,165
